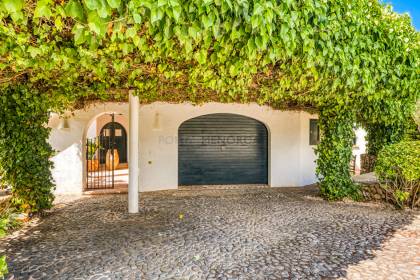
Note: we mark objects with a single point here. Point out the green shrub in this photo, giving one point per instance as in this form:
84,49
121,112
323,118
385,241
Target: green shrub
24,149
7,222
3,267
9,218
398,170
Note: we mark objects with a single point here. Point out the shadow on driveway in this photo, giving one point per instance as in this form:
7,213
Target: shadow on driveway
270,233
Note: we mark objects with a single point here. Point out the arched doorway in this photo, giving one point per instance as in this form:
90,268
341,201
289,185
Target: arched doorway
114,135
222,149
106,135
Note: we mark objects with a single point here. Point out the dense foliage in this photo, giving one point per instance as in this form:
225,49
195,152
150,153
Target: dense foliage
3,267
398,169
380,135
281,53
9,220
344,55
334,155
413,131
24,151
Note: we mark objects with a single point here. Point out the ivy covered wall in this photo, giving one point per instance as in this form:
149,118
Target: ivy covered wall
340,58
24,150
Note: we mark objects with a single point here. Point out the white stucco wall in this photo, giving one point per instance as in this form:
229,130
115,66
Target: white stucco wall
92,130
306,153
291,158
69,164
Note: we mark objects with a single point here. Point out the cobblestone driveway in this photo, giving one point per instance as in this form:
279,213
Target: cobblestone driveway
219,234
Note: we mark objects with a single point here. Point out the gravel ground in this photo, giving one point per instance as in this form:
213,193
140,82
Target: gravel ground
216,234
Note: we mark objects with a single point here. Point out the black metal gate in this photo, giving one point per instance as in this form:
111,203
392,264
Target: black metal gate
101,154
99,174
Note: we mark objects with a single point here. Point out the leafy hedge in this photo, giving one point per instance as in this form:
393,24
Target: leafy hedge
334,153
398,169
24,151
339,56
380,135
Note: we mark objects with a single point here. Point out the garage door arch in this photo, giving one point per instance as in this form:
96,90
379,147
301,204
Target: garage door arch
222,148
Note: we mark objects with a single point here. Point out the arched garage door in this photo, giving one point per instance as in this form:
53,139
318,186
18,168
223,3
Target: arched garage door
222,149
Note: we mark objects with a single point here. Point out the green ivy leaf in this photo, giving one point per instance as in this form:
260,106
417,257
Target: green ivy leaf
79,34
201,56
13,6
177,11
137,18
259,42
43,9
174,3
75,10
207,21
188,46
161,3
100,6
96,24
193,31
58,23
156,14
34,52
251,45
104,10
115,4
131,32
92,4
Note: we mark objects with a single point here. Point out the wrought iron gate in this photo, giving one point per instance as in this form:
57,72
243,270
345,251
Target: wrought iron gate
100,164
102,156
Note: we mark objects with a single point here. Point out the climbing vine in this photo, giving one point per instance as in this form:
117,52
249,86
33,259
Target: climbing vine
24,151
356,54
334,153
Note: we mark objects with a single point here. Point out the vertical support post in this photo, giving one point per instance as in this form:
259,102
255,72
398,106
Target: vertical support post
112,138
133,149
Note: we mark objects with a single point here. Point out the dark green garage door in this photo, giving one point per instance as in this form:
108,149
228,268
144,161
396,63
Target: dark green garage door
222,149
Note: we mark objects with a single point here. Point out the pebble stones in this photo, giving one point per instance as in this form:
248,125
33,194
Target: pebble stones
265,233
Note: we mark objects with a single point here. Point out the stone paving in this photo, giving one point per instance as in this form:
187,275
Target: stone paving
399,257
217,234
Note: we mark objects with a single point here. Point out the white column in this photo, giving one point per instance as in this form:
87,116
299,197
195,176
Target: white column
133,150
